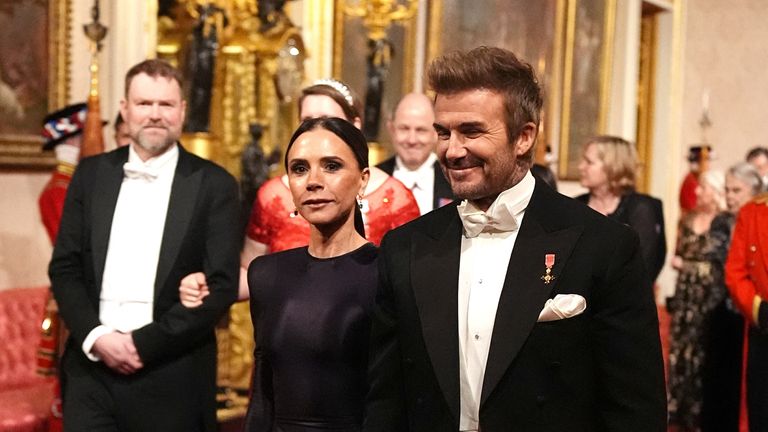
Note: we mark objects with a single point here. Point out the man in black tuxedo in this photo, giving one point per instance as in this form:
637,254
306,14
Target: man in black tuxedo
136,220
515,309
415,163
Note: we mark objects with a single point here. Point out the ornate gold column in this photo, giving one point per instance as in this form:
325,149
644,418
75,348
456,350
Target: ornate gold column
258,74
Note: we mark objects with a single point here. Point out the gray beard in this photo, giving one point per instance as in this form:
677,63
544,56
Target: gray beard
152,147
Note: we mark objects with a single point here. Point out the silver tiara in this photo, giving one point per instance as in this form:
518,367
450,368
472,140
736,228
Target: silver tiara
338,86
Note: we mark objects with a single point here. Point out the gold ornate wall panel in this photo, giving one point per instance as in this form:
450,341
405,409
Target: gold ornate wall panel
350,51
258,74
646,88
586,79
236,107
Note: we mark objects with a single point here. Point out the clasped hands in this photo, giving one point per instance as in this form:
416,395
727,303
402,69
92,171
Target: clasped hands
118,352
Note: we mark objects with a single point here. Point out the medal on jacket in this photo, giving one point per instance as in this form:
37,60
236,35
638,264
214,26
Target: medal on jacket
549,262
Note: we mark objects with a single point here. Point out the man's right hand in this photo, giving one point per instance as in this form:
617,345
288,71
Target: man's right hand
193,289
118,352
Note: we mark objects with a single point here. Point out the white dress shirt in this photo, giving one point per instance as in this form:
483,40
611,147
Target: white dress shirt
128,285
420,181
482,270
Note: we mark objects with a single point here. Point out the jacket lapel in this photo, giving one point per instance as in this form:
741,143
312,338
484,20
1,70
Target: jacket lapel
184,192
388,166
525,292
442,189
434,274
109,178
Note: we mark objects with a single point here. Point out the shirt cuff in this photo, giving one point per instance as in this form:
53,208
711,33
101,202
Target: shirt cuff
91,339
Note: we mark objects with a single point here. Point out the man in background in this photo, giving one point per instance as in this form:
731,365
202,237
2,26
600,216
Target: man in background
122,134
758,158
135,221
415,163
746,275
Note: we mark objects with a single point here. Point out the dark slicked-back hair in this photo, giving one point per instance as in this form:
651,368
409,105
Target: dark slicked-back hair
494,69
351,136
154,68
757,151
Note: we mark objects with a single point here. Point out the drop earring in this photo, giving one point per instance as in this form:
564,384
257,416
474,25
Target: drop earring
359,202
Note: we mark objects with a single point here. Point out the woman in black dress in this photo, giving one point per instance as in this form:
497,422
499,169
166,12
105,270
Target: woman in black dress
311,305
607,169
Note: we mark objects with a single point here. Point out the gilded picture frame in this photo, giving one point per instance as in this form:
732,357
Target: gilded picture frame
589,27
568,43
350,51
35,78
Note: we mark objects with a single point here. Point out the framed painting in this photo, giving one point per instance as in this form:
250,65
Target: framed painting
350,58
586,83
34,60
532,30
568,44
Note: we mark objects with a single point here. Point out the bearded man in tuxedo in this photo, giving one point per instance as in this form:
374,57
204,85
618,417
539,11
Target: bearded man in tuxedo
135,221
514,308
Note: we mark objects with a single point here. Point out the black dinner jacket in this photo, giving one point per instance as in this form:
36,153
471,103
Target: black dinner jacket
441,190
599,371
200,234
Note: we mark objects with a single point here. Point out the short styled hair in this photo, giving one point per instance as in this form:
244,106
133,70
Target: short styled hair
154,68
746,173
755,152
494,69
619,159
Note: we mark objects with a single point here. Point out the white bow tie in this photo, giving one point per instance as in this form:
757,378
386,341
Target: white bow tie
476,221
137,171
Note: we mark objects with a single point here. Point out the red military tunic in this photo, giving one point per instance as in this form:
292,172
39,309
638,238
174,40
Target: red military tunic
51,200
51,203
688,192
746,272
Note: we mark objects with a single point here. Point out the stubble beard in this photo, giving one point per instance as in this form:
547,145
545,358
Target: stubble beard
488,190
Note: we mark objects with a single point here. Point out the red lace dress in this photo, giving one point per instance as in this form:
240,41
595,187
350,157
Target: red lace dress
273,224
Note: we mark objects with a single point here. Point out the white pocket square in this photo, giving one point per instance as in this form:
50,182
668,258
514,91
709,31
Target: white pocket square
562,306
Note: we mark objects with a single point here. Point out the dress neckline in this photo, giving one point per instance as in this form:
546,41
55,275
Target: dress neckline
353,251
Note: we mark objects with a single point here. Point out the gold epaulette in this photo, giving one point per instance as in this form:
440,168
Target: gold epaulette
65,168
761,198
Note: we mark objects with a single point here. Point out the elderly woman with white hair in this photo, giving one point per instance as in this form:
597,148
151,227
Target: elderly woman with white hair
692,303
725,327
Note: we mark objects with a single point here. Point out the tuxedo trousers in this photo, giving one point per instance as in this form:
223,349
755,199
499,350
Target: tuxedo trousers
97,399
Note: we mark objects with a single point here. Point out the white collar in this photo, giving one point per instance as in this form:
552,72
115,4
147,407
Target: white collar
423,169
157,162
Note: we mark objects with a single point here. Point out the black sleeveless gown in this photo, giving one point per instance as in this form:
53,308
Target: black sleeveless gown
312,322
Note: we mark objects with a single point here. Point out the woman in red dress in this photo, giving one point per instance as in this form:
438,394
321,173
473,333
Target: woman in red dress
274,225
